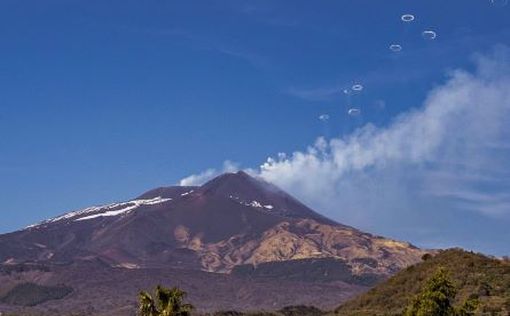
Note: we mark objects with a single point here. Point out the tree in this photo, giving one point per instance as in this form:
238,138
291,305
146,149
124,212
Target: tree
147,306
426,257
168,302
468,308
436,297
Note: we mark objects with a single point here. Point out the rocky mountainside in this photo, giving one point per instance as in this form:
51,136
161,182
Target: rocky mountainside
235,225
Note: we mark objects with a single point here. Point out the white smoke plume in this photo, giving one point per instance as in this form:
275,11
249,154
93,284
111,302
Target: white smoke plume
430,167
201,178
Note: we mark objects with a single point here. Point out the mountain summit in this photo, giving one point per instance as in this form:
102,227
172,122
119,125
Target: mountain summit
233,225
243,189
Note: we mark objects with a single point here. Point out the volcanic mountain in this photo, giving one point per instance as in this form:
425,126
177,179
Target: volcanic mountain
234,225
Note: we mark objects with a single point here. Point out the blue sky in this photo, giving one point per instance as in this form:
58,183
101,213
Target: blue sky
102,100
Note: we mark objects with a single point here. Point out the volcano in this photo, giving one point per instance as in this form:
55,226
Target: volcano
235,230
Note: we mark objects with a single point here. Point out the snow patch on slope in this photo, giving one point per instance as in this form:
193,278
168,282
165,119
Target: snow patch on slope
112,209
187,193
254,203
127,207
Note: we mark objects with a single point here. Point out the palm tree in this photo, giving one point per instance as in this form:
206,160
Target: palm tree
169,302
147,307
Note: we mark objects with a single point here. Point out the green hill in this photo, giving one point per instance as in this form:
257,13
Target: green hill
475,276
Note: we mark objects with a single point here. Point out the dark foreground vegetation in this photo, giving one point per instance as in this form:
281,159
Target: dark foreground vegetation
30,294
451,283
164,302
299,310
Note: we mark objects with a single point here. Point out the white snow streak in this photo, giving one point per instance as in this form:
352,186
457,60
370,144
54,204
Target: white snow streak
112,209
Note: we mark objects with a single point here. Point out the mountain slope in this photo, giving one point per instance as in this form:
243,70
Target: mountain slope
102,290
236,226
232,220
474,275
